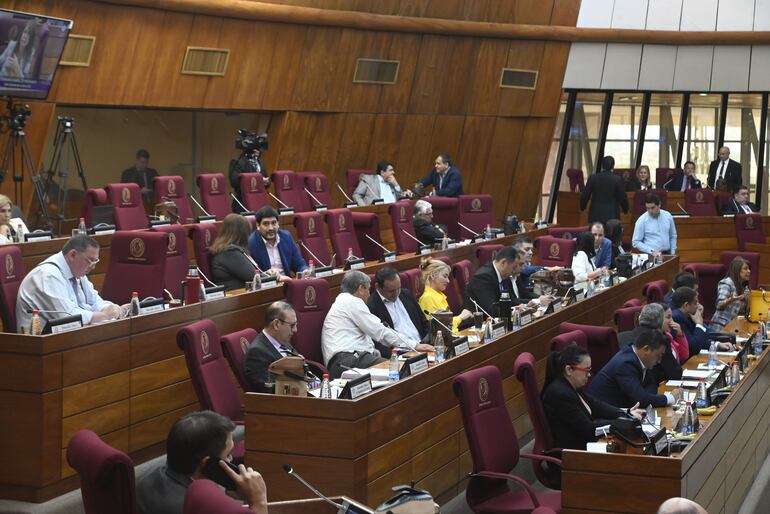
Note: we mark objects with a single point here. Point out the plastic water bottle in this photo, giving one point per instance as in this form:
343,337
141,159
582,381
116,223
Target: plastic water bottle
444,242
736,374
256,282
326,389
82,226
17,237
701,398
488,232
135,306
393,370
515,318
687,425
35,326
310,269
487,338
712,364
438,346
522,227
350,255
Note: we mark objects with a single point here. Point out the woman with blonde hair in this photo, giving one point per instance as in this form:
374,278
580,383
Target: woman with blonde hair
10,226
642,181
435,276
231,264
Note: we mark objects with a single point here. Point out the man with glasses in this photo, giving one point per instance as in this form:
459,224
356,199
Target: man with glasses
273,343
59,285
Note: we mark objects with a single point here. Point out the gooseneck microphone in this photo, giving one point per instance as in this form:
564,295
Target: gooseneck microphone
434,318
344,193
319,261
238,202
199,205
279,201
316,200
475,234
290,471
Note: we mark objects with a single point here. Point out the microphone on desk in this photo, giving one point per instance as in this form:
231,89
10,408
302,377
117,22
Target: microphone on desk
319,261
238,202
682,208
199,205
350,200
412,237
370,238
475,234
478,308
318,202
290,471
434,318
279,201
205,277
29,311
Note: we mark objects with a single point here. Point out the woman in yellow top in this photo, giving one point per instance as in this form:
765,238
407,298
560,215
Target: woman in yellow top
435,276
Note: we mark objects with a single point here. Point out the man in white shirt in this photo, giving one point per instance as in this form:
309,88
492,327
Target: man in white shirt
397,307
349,330
59,284
725,174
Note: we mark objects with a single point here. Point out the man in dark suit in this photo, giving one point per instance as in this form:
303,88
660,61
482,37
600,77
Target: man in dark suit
142,175
273,343
424,228
739,203
606,192
397,307
651,317
274,250
683,180
627,379
725,174
444,178
493,278
688,312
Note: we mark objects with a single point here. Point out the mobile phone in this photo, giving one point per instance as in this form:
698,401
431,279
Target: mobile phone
213,471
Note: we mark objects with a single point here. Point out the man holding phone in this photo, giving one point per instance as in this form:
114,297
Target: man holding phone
199,445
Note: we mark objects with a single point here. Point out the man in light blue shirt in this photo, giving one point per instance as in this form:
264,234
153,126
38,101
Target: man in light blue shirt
655,231
383,185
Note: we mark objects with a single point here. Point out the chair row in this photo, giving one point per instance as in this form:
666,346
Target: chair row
577,178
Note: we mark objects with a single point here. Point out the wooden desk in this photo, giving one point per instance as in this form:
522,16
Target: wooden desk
411,430
715,470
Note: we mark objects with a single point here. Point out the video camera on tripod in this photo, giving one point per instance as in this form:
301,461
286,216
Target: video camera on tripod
248,141
17,116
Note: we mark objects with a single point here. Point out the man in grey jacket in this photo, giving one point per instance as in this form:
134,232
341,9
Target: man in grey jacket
381,185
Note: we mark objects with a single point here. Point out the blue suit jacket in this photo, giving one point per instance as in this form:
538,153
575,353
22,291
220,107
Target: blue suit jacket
604,254
619,383
452,185
697,339
290,257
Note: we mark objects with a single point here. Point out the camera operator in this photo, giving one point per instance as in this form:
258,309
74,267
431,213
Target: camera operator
251,146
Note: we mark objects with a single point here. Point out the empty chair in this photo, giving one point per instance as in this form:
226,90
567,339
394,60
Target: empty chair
655,291
341,233
401,219
214,196
708,276
524,369
567,232
462,271
95,201
206,497
494,448
317,183
639,199
445,213
627,318
311,300
253,193
127,207
107,482
172,187
475,211
749,229
412,279
632,302
576,180
310,238
727,257
137,263
625,173
177,259
202,235
720,199
353,176
288,189
700,202
561,341
12,272
234,346
554,251
602,343
368,224
662,175
486,252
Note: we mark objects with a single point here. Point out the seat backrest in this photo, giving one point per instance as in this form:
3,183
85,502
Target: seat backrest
640,196
368,224
412,279
445,213
625,174
203,235
627,318
311,300
208,371
476,211
107,482
727,257
204,497
353,177
310,230
453,297
655,291
127,207
402,220
576,180
288,188
749,229
486,252
137,263
662,175
462,271
567,232
633,302
708,276
214,196
561,341
554,251
602,343
172,187
177,258
92,198
341,233
253,194
720,199
700,202
11,275
234,346
317,183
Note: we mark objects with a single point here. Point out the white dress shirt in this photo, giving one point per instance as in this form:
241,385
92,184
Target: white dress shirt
273,254
581,267
50,286
350,327
402,323
386,192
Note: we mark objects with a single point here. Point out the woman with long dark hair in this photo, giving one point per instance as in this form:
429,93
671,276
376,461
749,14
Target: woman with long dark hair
20,61
733,294
231,264
583,261
614,232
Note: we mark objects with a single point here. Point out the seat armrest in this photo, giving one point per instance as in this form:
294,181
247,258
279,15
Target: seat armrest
507,476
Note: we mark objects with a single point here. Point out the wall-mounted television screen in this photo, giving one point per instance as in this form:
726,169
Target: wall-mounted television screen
31,46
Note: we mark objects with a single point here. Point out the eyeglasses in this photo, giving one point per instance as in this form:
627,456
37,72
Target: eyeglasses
292,325
584,370
92,262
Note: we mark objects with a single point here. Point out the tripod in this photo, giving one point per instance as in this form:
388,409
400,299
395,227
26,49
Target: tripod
64,143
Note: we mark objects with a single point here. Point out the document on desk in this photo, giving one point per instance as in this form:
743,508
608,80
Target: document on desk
723,354
705,366
596,447
696,373
602,431
690,384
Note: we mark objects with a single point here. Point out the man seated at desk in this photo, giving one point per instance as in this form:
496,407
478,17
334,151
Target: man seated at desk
192,442
273,249
396,307
688,312
652,316
349,330
382,185
681,279
739,203
627,378
59,285
444,177
424,228
273,343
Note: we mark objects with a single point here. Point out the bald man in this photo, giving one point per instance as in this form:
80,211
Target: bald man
680,506
725,174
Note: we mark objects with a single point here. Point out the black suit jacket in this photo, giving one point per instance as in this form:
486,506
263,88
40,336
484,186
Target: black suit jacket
731,207
261,354
484,288
675,182
377,307
140,178
426,231
607,194
620,382
733,176
572,426
667,369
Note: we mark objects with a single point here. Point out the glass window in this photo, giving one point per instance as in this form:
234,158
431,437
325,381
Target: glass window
742,134
584,133
661,136
702,131
623,129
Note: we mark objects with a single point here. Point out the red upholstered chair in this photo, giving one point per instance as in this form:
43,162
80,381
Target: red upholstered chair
576,180
127,207
727,257
206,497
560,342
401,218
640,196
214,196
353,177
309,226
627,318
12,272
107,482
253,193
288,188
137,263
720,199
445,213
202,235
311,301
625,173
368,224
655,291
177,259
485,253
92,198
633,302
662,175
708,276
317,183
567,232
453,297
341,233
554,251
749,229
602,343
412,279
172,187
494,448
475,211
700,202
524,369
462,271
234,346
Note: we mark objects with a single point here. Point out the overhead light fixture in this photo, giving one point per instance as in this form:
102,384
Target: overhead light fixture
703,94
